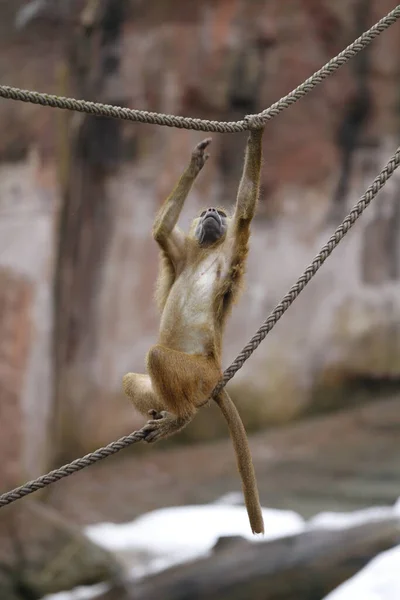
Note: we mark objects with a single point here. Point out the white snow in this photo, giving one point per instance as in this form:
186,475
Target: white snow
339,520
170,536
379,580
80,593
174,535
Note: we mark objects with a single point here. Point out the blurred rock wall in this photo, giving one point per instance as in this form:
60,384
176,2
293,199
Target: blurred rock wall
338,344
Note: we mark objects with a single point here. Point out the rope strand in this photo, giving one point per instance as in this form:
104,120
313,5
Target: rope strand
249,122
312,269
77,465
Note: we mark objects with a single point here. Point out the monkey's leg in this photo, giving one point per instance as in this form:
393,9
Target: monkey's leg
140,391
184,382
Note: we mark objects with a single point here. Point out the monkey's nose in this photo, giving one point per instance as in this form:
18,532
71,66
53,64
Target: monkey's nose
211,210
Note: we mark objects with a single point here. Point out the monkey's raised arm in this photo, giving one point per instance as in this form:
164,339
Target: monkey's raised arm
250,183
165,230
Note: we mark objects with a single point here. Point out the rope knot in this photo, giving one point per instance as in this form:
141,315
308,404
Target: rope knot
254,122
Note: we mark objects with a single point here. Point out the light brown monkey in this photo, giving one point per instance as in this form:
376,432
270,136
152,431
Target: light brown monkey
199,279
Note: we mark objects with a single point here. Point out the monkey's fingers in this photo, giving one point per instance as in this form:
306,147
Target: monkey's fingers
199,159
203,145
198,152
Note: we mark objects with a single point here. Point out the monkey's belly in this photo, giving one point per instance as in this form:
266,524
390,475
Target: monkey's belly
187,321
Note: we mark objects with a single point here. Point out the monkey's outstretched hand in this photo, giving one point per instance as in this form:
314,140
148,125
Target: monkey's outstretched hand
199,158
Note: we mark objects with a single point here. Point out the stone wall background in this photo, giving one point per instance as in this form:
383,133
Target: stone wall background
78,195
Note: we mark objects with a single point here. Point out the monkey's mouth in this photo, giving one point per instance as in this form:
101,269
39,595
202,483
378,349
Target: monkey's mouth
214,216
210,228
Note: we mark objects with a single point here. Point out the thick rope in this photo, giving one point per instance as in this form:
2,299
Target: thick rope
312,269
331,67
249,122
281,308
77,465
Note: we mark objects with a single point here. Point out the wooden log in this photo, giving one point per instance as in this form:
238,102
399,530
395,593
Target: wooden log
301,567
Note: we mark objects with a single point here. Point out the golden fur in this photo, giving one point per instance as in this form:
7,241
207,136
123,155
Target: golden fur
197,285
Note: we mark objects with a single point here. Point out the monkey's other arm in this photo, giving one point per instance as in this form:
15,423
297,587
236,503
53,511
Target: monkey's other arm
165,231
250,182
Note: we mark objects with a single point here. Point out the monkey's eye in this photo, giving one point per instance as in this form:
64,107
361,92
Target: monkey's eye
203,213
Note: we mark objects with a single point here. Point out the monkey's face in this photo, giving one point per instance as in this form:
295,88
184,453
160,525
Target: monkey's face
210,226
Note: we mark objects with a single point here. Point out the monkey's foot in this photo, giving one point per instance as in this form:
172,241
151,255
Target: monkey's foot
155,414
199,158
162,425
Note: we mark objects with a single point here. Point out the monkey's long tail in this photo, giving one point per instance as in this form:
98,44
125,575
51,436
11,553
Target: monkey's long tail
244,461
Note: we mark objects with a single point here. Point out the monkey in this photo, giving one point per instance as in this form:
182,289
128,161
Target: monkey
200,277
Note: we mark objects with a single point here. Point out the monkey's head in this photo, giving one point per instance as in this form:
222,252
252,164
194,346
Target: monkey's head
210,226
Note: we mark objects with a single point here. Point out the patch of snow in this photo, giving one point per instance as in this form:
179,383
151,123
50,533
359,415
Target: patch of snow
80,593
379,580
166,537
231,498
174,535
332,520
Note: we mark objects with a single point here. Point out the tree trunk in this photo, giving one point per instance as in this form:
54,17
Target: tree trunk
85,218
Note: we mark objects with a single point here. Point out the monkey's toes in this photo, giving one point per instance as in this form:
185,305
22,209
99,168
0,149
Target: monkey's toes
152,431
154,414
157,428
152,436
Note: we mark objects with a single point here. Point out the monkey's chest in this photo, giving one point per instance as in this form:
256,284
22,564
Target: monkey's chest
196,300
189,312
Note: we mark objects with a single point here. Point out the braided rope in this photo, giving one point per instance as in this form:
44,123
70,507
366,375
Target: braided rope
312,269
249,122
98,109
77,465
281,308
331,67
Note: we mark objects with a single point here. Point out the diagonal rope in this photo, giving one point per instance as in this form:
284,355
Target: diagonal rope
144,116
281,308
331,67
312,269
77,465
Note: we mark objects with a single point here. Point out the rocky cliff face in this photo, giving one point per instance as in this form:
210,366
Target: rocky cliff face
339,343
